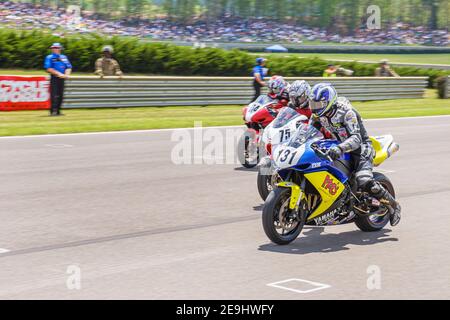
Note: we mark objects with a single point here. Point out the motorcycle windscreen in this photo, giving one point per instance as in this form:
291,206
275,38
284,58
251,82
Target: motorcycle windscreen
263,100
289,154
285,116
305,132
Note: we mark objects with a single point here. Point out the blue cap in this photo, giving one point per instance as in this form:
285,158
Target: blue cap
56,45
260,60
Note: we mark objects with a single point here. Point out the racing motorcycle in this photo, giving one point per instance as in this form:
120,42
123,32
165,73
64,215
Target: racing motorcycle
257,116
278,131
317,191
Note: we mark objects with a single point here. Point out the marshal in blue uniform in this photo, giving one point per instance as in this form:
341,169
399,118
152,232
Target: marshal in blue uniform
258,74
59,67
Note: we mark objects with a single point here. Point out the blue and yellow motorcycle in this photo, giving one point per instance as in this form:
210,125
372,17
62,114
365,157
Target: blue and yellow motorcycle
317,191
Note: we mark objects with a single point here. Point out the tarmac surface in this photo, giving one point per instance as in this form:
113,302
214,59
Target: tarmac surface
110,216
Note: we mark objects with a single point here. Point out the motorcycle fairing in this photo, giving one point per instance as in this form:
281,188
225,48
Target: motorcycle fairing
257,111
309,162
384,147
324,177
329,188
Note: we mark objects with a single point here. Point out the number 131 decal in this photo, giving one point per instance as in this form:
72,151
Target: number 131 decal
285,155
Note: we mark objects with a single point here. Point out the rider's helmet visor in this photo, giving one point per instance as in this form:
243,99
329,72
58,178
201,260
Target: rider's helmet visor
318,107
299,101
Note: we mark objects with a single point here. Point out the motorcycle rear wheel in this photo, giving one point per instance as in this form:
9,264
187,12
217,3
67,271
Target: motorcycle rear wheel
277,201
370,223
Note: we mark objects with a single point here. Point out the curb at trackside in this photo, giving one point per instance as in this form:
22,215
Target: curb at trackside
190,128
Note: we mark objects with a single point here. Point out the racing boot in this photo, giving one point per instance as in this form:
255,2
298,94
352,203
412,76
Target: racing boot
379,192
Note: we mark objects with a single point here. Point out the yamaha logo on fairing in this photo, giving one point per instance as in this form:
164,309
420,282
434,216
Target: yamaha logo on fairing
325,218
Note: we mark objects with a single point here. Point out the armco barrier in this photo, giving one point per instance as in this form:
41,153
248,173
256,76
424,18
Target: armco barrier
93,92
447,92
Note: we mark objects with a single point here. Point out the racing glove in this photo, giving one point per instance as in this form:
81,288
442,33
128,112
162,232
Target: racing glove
335,152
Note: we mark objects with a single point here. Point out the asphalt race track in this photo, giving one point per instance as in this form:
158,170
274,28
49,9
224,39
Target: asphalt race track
133,225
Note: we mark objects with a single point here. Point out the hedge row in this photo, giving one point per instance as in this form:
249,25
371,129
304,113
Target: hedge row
28,49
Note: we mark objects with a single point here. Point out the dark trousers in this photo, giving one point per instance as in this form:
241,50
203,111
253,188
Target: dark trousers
257,86
56,94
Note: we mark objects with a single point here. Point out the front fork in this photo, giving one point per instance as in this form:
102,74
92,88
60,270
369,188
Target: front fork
252,144
297,195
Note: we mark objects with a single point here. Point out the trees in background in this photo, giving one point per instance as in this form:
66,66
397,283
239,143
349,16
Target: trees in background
347,14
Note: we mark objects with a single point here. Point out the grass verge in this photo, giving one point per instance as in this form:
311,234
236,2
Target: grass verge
435,58
95,120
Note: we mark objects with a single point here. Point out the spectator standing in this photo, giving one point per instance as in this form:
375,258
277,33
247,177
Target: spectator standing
107,65
59,68
331,71
385,70
259,72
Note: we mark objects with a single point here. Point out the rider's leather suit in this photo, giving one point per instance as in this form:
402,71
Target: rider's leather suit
346,126
283,99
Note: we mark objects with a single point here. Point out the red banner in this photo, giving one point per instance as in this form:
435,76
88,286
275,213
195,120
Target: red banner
24,93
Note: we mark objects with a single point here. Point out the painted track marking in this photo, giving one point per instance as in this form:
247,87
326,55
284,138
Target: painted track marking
313,286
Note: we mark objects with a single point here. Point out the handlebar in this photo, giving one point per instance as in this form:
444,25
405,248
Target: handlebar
321,153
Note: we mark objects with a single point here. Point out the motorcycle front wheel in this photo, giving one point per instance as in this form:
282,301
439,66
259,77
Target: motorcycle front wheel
266,182
247,152
278,217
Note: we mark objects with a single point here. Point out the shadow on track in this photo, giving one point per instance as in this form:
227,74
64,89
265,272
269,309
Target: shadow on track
255,169
313,240
259,207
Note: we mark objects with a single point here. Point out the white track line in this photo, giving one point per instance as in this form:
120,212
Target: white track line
114,132
315,285
59,145
175,129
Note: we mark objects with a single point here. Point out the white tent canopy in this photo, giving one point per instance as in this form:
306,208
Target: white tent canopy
276,48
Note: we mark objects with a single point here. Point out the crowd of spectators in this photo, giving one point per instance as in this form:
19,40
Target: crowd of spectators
25,16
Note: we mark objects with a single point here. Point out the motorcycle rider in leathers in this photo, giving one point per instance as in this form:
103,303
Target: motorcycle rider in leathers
299,92
337,115
278,90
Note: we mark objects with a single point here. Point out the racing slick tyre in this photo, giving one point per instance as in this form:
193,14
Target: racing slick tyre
276,206
376,221
264,184
246,152
266,181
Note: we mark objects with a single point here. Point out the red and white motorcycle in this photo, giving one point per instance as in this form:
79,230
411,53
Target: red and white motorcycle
257,116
